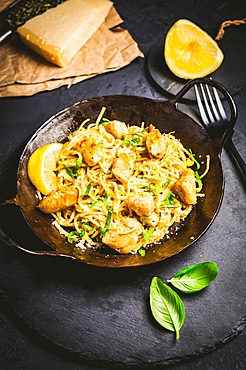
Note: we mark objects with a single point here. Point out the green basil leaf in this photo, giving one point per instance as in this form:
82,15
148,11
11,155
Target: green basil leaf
196,277
166,306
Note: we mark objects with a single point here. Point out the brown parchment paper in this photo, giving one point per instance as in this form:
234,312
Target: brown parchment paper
24,73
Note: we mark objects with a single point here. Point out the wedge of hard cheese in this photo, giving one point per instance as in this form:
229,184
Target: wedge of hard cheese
60,32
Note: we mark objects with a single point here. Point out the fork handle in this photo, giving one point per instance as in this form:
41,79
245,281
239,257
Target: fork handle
238,160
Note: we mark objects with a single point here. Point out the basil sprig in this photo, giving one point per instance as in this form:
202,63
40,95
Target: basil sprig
195,278
166,306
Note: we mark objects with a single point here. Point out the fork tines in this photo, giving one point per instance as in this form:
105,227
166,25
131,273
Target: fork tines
206,97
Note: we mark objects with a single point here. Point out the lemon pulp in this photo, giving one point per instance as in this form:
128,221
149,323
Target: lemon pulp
190,52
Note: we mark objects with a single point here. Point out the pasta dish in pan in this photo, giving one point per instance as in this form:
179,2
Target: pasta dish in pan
122,186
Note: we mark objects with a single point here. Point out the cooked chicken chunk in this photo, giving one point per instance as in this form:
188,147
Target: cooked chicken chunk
58,200
143,205
185,187
124,236
152,220
155,143
91,148
107,160
116,128
123,168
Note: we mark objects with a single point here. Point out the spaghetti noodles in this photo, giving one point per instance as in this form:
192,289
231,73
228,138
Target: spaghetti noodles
129,184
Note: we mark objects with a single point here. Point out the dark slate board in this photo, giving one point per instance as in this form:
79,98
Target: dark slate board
103,316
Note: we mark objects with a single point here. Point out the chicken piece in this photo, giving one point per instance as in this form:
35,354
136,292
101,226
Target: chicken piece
155,143
122,168
185,187
58,200
142,205
124,236
91,147
151,220
116,128
107,160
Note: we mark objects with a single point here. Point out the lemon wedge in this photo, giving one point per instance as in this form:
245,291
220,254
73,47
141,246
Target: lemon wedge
41,166
190,52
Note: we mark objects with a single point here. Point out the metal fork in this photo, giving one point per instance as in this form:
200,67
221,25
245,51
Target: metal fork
215,120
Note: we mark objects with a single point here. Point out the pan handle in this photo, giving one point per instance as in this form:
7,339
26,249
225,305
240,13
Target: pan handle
232,105
10,242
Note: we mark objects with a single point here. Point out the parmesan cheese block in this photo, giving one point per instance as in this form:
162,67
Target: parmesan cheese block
60,32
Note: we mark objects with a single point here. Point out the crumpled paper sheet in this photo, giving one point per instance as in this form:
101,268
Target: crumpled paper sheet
24,73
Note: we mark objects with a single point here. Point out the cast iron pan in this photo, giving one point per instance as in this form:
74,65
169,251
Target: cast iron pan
132,110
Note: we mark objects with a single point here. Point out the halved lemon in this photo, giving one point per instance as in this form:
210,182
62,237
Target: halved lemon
41,166
190,52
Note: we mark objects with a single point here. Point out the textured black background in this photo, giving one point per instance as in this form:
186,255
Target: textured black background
147,21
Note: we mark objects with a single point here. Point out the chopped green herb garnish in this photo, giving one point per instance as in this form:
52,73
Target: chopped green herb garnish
141,252
104,199
100,116
99,199
192,156
159,188
167,183
139,133
143,221
198,179
78,165
73,233
69,171
102,170
73,172
131,142
153,187
148,234
149,189
107,223
88,189
87,226
170,201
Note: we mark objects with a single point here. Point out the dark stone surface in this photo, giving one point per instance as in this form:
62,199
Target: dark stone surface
48,309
